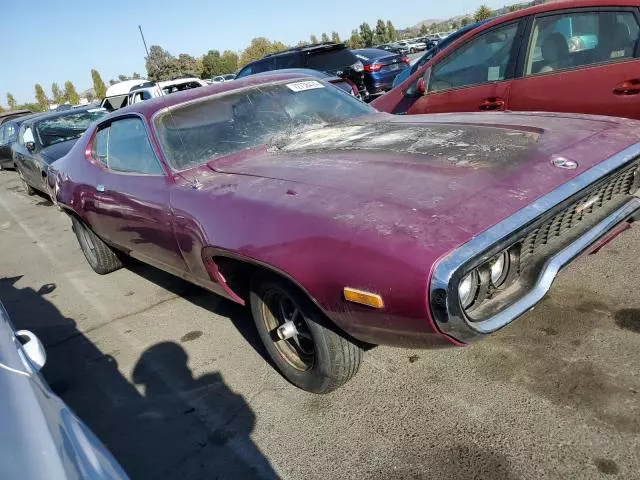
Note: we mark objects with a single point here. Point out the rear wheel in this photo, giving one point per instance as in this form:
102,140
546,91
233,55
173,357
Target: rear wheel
28,189
296,335
99,255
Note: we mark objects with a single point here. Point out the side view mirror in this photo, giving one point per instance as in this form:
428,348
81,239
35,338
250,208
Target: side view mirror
423,83
421,86
31,146
32,348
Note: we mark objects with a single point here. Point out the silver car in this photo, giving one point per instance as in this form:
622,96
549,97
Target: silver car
40,437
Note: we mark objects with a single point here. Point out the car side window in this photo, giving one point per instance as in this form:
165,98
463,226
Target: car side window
100,150
10,132
483,59
27,136
124,147
578,39
246,71
3,138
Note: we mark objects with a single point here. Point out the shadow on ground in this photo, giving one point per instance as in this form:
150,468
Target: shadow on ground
164,423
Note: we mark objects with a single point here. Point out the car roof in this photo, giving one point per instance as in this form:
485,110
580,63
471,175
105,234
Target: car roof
123,88
6,116
177,81
374,52
149,107
315,47
559,5
297,71
61,113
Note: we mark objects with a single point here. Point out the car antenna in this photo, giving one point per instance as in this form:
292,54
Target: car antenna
195,183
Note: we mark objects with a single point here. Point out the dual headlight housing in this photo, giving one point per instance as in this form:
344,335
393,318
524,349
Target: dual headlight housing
480,287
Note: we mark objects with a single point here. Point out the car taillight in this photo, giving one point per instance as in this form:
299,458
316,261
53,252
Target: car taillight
374,67
405,59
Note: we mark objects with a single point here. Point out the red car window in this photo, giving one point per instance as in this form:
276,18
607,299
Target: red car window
578,39
484,59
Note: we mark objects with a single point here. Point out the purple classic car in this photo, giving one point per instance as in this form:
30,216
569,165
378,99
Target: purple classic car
342,227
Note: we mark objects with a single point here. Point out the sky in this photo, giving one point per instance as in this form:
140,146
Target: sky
60,40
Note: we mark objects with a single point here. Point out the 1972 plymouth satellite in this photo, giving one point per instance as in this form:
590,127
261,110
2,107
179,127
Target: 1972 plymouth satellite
341,226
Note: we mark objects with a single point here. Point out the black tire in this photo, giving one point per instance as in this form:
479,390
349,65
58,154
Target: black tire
334,360
100,256
28,189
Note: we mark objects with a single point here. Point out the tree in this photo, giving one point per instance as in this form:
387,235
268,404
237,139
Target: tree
161,65
335,37
392,34
454,25
187,66
210,64
70,93
482,13
381,35
41,98
324,38
259,47
1,109
367,34
56,92
122,78
228,62
112,81
313,39
465,21
355,40
424,29
136,76
98,85
90,96
11,101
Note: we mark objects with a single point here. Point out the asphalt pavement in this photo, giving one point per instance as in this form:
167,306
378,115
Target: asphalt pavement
174,381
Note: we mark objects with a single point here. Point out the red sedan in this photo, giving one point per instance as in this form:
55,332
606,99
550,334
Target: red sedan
579,56
343,227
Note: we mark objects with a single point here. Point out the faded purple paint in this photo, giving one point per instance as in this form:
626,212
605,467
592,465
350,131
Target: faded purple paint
373,211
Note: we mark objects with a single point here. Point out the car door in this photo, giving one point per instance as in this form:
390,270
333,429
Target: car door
582,61
131,205
5,151
476,76
27,160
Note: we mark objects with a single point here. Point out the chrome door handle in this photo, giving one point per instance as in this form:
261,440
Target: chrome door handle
100,187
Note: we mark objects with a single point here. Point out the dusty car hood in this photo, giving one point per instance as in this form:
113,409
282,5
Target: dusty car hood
490,164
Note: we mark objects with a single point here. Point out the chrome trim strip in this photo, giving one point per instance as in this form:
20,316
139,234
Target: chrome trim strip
459,327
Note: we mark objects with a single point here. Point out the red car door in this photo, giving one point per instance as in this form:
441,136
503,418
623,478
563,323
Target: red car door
132,196
582,61
474,77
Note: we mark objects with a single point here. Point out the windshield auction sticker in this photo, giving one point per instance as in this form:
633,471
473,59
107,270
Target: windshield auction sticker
302,86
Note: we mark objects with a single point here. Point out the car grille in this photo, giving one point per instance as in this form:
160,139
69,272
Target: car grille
557,230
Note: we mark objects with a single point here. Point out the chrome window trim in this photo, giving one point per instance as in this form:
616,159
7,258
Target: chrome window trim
459,327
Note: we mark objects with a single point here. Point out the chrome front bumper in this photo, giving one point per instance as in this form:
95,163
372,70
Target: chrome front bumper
454,322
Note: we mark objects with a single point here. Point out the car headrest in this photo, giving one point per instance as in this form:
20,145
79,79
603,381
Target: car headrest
555,48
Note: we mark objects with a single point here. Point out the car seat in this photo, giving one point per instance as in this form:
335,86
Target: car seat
555,52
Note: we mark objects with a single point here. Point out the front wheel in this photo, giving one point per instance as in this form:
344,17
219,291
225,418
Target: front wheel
99,255
298,339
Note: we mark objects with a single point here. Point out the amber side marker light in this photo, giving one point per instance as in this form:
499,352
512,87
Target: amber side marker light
364,298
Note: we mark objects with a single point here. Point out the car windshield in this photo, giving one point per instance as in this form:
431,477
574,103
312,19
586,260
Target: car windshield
219,125
66,127
331,60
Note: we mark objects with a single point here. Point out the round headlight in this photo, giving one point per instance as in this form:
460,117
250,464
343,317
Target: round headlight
468,288
499,268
